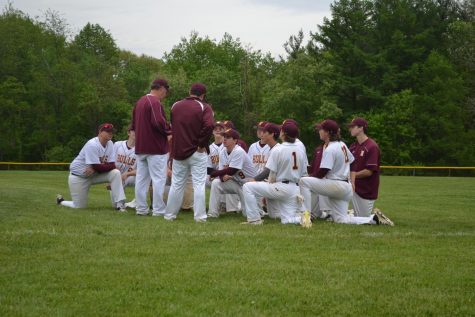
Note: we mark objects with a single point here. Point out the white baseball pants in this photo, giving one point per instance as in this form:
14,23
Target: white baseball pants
362,207
285,194
231,200
79,188
196,165
218,189
150,168
338,195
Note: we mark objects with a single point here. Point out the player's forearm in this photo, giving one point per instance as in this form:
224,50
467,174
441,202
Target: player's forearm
263,175
226,171
104,167
363,173
322,172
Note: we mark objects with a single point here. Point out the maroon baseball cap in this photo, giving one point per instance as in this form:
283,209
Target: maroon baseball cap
272,128
291,120
108,127
198,89
231,133
219,124
290,129
358,122
261,125
229,124
328,125
159,82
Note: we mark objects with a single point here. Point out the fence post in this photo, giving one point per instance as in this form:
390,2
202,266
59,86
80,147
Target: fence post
413,172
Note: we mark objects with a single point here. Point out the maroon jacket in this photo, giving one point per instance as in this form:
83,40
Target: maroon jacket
150,126
192,122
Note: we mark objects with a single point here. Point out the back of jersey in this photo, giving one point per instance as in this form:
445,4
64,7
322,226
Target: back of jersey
288,161
337,158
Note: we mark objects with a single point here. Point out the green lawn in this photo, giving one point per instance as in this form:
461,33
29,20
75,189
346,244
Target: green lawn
56,261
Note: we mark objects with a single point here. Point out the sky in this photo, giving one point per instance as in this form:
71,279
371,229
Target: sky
153,27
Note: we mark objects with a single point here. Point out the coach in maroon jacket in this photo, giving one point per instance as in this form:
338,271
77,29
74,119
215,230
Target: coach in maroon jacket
192,124
151,147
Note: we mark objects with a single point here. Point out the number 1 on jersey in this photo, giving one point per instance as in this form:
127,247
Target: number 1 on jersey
295,167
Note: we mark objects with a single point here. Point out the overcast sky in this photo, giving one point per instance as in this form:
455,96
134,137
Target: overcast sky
153,27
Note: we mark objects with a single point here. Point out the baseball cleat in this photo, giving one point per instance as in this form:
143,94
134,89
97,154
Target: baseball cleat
305,220
382,219
132,204
254,223
200,220
59,199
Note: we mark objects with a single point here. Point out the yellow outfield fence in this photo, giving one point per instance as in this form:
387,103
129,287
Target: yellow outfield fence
388,167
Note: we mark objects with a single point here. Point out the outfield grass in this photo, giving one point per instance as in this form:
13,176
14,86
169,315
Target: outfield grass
56,261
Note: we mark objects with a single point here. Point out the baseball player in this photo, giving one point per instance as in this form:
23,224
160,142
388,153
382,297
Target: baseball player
235,168
259,152
126,161
192,123
94,165
287,163
364,169
230,202
228,124
319,205
151,147
332,179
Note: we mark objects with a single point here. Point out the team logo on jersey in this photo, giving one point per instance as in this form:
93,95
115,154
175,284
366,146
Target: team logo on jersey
258,159
103,159
362,153
214,159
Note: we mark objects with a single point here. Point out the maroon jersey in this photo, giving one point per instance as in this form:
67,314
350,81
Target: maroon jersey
367,156
150,125
317,159
192,122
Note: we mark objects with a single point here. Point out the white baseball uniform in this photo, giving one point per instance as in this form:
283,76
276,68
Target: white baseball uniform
232,201
93,152
239,160
125,160
335,186
258,155
289,163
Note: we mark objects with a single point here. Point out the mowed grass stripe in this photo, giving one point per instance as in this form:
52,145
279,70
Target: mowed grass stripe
60,262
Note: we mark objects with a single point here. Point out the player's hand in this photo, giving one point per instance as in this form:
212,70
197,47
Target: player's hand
169,137
201,149
250,180
89,171
108,187
169,172
226,178
124,177
353,186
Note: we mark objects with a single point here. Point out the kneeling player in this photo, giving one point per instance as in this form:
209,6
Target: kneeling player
126,161
332,179
287,163
235,168
95,165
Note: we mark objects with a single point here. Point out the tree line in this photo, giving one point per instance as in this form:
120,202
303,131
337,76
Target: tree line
407,66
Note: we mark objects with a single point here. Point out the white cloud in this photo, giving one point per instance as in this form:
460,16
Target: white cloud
154,27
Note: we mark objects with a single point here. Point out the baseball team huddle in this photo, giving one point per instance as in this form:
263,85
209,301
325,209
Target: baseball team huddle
173,162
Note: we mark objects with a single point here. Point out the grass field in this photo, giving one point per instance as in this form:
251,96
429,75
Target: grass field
55,261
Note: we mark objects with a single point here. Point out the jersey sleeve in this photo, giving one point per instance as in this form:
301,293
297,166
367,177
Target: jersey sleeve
372,160
328,158
237,159
91,153
272,160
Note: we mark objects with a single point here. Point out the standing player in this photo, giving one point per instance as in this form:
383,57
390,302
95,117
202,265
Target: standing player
332,179
287,163
151,147
95,165
126,161
192,125
365,168
235,168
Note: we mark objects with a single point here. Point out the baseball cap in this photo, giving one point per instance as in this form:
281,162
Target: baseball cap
272,128
229,124
219,124
157,83
108,127
198,89
290,129
291,120
231,133
358,122
328,125
261,125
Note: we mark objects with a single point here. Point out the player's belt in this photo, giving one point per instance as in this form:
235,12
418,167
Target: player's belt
289,182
